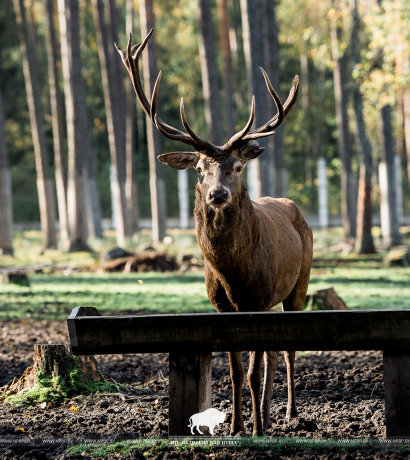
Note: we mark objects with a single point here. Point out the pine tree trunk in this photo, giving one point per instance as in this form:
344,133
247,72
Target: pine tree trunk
209,70
93,209
278,184
6,219
340,87
406,116
364,239
259,170
116,131
223,16
44,184
57,121
157,185
306,118
68,12
130,185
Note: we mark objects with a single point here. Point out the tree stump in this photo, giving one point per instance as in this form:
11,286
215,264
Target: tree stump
398,256
15,278
56,375
324,299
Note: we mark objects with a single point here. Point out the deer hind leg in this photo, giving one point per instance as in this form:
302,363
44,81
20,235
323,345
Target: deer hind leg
294,302
237,376
291,411
254,380
271,362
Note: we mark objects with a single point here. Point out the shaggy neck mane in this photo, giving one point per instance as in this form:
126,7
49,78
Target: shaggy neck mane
227,236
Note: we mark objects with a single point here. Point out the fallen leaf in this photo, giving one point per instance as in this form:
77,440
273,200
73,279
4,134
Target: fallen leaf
73,409
326,420
85,453
68,423
139,409
141,282
20,429
43,405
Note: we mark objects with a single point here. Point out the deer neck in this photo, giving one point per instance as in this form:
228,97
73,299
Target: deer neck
227,236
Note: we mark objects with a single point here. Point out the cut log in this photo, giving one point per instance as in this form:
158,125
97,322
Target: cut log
55,375
114,253
324,299
144,262
15,278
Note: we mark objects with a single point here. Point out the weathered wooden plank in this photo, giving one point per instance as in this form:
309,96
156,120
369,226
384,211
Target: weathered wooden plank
190,390
318,330
396,367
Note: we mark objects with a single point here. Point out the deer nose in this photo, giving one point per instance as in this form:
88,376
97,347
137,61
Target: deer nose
218,196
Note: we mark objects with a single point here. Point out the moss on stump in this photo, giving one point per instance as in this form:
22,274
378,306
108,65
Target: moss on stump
55,376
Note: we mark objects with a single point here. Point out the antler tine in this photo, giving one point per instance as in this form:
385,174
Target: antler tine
266,129
130,59
238,136
202,142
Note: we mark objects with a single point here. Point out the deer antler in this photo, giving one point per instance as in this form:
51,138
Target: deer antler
267,129
130,59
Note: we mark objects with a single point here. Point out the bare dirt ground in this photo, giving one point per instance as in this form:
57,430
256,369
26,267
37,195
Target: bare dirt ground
339,395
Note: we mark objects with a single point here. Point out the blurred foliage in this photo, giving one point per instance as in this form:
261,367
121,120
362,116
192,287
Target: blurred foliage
304,27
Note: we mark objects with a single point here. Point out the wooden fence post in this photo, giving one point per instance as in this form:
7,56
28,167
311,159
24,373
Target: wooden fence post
190,390
397,393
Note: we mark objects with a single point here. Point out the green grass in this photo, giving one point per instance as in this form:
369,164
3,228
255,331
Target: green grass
151,447
366,288
361,284
54,296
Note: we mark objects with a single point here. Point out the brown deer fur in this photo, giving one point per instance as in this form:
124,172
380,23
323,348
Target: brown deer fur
257,253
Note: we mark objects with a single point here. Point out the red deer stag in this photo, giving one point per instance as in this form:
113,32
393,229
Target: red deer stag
257,253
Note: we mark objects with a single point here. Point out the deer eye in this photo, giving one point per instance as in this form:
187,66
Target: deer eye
199,170
239,169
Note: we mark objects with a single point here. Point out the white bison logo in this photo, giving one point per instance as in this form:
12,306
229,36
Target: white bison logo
209,418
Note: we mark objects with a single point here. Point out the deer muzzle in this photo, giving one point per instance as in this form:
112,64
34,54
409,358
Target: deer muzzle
218,196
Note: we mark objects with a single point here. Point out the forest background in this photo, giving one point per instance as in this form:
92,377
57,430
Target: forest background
373,47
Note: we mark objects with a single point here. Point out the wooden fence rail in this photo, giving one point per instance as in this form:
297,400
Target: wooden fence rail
191,338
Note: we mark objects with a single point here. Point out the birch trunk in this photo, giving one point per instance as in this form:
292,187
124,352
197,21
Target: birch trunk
44,184
115,130
6,219
259,170
57,121
68,12
340,87
157,185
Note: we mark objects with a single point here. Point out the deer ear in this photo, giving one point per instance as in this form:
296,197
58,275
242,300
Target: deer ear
179,160
250,151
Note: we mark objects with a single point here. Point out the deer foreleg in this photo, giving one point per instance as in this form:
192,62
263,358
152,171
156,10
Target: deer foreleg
271,362
254,380
237,376
291,411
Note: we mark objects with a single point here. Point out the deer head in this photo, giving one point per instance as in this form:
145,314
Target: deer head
219,168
